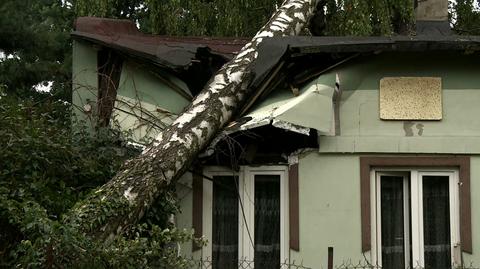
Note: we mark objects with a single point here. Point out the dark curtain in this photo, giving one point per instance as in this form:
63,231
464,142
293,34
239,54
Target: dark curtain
267,221
225,223
436,222
392,214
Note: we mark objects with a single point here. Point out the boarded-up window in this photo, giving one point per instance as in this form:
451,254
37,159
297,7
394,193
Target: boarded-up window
411,98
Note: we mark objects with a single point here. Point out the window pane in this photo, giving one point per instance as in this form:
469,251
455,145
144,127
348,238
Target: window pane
392,213
436,222
267,221
225,222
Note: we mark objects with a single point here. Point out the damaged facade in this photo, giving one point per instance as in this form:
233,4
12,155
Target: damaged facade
367,145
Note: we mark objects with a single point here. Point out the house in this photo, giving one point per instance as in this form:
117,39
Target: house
114,65
369,146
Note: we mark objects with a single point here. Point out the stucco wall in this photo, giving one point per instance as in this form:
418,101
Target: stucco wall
329,211
329,190
361,129
183,220
475,196
145,102
84,78
330,179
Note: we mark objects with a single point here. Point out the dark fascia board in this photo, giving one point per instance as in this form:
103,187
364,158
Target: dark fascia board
175,58
307,45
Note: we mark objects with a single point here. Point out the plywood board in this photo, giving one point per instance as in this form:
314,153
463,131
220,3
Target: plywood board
411,98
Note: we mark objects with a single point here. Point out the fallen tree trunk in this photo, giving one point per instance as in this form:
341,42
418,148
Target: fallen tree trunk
123,201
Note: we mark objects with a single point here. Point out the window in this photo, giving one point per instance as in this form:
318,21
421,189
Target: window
415,218
245,216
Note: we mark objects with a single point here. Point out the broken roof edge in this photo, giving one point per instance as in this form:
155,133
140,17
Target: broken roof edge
123,35
301,45
287,111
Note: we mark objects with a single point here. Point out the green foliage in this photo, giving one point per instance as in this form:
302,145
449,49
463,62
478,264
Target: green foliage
45,160
35,35
48,163
134,10
368,17
466,17
241,18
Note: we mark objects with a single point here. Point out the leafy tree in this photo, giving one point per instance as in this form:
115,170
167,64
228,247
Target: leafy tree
35,36
209,17
365,17
465,17
135,10
49,163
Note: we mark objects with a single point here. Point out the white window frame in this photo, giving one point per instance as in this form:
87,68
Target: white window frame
416,198
246,187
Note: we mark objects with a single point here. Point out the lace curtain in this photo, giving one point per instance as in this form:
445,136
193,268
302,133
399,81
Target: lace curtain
225,223
266,227
436,222
267,221
393,244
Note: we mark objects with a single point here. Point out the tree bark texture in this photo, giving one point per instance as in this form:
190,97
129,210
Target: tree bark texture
123,201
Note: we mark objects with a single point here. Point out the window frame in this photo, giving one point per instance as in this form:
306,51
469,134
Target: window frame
376,215
246,185
415,222
460,162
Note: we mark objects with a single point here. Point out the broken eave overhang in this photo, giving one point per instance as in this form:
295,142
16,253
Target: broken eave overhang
311,109
314,108
190,58
124,36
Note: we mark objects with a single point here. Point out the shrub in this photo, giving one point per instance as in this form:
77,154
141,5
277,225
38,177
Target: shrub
48,162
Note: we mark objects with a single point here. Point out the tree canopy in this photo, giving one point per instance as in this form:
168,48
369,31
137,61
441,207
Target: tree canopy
37,47
35,40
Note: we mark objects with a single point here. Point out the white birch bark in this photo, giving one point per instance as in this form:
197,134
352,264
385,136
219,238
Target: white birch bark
123,201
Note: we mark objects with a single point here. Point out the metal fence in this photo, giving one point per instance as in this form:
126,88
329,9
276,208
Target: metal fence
243,264
192,263
365,265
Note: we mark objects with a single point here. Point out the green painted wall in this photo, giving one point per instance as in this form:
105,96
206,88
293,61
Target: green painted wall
145,105
360,125
475,196
184,219
84,79
330,209
140,82
330,179
329,212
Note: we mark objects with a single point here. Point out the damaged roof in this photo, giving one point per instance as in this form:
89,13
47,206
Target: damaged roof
286,60
192,59
195,59
171,51
179,52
